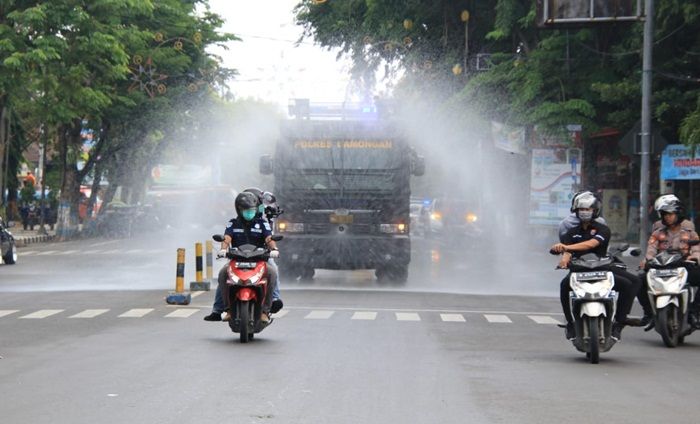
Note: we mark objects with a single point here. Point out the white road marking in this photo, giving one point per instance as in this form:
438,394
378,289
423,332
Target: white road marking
28,252
407,316
68,252
182,313
48,252
136,313
319,315
280,314
503,319
134,251
369,316
108,252
89,313
8,312
452,317
196,293
104,243
543,319
42,313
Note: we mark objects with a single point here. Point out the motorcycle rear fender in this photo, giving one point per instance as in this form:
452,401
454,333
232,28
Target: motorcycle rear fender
593,309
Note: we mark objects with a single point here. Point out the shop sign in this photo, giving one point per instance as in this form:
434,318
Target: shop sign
679,163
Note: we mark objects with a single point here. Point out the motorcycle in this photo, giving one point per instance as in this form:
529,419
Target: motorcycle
593,301
670,295
248,285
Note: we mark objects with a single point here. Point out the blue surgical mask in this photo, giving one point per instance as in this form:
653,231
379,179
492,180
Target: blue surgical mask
249,214
261,208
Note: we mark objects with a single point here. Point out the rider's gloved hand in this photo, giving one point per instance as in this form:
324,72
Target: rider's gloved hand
275,253
221,254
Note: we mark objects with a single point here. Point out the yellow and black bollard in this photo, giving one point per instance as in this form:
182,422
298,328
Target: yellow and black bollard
198,284
210,261
179,296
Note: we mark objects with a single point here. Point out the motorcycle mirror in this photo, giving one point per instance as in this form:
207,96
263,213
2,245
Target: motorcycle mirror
623,247
693,242
277,238
269,198
218,237
636,252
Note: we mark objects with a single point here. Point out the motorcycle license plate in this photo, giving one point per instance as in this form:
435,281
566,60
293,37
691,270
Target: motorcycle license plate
666,273
591,276
341,219
245,265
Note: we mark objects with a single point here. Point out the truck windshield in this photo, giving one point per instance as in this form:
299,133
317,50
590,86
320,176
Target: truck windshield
344,155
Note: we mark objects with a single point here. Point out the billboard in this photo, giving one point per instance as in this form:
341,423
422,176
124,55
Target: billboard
680,162
555,176
585,12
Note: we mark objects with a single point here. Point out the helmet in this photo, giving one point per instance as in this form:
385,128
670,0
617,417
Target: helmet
246,200
669,203
586,199
573,198
259,194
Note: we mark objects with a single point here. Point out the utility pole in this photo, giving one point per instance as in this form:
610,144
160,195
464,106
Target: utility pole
646,123
42,181
464,16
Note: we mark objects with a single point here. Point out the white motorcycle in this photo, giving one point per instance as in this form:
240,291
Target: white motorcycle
670,296
593,302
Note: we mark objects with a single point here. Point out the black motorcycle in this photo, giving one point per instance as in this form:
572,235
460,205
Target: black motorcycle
8,245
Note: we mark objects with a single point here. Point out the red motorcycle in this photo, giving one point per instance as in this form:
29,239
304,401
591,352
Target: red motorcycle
247,287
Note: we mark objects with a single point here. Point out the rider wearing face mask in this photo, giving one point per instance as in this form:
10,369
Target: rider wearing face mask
590,236
674,233
247,228
572,220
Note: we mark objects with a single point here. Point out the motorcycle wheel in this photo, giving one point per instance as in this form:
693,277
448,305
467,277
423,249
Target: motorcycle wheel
244,315
594,340
668,325
10,257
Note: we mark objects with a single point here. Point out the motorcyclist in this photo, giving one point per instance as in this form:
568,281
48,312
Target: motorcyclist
219,306
591,236
247,228
674,234
572,220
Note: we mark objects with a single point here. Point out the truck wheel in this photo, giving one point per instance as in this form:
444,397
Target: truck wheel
307,273
399,274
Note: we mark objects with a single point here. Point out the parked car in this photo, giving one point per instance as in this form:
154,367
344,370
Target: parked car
8,246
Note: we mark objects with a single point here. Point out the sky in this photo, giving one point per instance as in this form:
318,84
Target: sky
271,66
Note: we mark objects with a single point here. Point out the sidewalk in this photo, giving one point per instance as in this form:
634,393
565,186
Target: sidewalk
27,237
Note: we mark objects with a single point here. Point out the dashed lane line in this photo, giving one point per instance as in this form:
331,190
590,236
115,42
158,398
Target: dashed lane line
407,316
452,317
6,312
182,313
368,316
68,252
197,293
136,313
42,314
89,313
540,319
319,315
499,319
47,252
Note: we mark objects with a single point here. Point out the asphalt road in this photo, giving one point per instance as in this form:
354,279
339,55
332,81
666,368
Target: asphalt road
85,337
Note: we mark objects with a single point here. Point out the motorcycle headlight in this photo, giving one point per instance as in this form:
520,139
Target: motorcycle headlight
255,278
664,281
233,277
593,289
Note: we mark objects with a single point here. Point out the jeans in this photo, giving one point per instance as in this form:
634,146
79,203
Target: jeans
273,272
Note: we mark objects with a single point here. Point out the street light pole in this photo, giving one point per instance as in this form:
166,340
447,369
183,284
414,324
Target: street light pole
646,124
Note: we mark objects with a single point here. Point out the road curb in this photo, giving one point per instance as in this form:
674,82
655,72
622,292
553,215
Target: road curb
27,240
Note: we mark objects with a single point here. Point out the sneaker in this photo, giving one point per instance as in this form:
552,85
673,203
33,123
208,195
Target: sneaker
646,319
616,331
226,317
570,331
265,317
276,306
214,316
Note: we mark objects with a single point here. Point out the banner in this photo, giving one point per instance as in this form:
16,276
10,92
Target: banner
554,177
508,138
678,163
615,212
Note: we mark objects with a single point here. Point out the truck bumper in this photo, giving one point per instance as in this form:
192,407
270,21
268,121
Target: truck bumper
345,252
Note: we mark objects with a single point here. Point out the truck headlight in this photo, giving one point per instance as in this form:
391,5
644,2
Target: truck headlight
471,217
393,228
290,227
